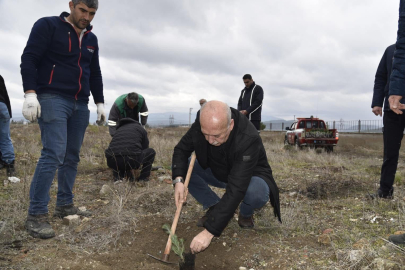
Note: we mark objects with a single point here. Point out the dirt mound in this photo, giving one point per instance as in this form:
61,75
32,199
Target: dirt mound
330,187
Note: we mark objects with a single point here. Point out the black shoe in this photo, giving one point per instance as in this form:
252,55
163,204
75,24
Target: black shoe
38,226
200,222
397,239
245,222
383,195
386,195
10,169
67,210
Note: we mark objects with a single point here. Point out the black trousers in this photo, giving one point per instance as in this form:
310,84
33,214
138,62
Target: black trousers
123,164
393,132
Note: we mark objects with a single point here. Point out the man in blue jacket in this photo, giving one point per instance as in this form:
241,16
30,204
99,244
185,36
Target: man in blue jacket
251,100
397,86
59,68
392,132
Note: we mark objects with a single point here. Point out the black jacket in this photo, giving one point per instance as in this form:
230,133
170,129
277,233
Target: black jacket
397,78
251,100
246,157
382,80
4,95
129,140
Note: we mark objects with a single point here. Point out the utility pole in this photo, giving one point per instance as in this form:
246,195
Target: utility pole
171,120
189,118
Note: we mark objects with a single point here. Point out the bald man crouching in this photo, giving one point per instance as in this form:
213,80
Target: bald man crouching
230,155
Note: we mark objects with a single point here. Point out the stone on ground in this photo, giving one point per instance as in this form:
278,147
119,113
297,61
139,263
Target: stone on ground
72,220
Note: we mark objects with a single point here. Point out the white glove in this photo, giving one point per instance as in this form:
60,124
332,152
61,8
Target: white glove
100,114
31,107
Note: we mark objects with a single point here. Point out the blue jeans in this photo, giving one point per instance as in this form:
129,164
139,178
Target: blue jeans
257,194
6,146
63,123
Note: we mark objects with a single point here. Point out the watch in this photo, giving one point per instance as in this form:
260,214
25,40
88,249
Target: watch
177,180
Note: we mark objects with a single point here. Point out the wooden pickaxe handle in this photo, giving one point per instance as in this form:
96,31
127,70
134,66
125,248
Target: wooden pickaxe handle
178,211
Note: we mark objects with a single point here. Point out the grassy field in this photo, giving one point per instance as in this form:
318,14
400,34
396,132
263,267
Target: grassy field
327,221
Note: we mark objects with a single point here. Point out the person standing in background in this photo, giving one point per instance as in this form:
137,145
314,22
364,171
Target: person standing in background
397,87
202,101
393,125
251,100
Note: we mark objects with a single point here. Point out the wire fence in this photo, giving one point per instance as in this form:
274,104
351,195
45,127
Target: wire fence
359,126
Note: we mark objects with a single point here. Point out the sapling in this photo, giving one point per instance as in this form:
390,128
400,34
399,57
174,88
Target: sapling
177,244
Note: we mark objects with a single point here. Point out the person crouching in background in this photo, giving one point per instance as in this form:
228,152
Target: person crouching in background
128,150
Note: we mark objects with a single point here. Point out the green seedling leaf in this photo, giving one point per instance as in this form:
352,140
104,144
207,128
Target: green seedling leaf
177,244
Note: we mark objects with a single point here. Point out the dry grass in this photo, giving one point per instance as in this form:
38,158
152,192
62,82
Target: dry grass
318,191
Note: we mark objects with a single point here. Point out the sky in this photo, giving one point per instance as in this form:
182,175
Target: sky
312,57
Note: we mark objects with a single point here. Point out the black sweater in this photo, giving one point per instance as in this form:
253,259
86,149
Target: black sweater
129,140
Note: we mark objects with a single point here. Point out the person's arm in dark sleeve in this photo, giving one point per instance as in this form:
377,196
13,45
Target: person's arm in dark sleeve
257,100
380,81
144,113
113,119
145,141
182,151
96,79
238,183
38,43
397,79
240,102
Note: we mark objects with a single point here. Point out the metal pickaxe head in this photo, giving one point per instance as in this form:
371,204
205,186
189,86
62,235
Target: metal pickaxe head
164,259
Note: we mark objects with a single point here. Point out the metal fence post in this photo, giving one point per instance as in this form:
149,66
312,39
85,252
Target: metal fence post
282,126
333,124
359,126
270,126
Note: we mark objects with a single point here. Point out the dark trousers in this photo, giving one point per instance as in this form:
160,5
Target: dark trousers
123,164
393,132
257,194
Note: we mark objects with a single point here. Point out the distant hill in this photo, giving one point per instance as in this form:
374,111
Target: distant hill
154,119
278,124
183,118
166,118
267,118
170,118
